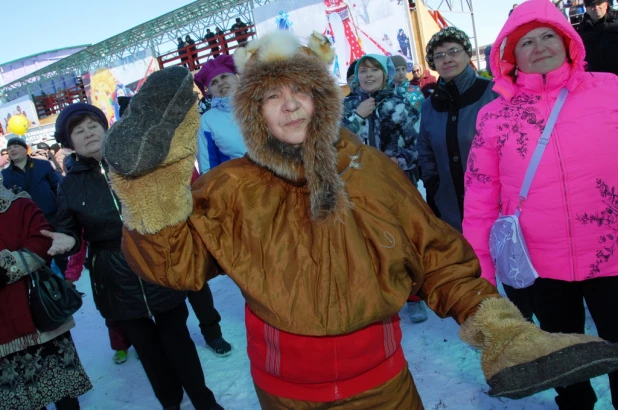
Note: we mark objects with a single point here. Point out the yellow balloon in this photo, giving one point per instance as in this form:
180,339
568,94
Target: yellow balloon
18,124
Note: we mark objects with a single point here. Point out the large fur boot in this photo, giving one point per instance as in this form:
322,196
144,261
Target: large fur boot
519,359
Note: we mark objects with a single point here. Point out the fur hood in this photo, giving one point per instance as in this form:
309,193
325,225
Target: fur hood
275,60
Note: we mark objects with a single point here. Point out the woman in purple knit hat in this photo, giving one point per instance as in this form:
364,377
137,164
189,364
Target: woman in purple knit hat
219,138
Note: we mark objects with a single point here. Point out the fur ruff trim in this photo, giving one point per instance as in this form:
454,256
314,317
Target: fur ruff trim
278,60
282,45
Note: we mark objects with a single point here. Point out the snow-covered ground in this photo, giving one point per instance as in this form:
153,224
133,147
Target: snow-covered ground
446,371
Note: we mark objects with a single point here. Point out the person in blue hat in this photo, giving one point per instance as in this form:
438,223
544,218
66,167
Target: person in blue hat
380,116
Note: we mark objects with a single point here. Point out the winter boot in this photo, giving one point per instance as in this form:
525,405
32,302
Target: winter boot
220,347
120,356
417,311
519,359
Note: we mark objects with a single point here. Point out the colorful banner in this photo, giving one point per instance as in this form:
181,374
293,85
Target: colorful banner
23,106
356,28
122,78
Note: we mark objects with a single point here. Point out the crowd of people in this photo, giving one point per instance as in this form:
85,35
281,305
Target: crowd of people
309,202
217,42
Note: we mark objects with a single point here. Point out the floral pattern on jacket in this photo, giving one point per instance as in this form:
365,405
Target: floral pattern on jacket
606,219
512,121
569,216
393,120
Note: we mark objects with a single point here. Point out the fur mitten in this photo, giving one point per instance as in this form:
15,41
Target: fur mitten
151,151
519,359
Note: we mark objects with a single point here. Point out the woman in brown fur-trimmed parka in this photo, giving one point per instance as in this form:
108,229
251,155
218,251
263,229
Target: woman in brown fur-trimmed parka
325,237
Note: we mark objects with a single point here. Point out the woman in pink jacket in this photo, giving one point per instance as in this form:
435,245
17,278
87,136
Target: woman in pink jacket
570,218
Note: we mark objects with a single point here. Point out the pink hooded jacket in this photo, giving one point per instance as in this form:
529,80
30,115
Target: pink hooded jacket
570,219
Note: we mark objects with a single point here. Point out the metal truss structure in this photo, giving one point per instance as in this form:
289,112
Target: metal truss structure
459,7
158,35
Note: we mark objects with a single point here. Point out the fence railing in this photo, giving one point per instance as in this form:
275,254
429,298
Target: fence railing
51,104
195,55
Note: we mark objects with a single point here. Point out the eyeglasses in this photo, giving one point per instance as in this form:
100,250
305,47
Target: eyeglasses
452,52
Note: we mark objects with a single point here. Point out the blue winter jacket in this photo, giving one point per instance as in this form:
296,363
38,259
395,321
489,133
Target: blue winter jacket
219,138
39,180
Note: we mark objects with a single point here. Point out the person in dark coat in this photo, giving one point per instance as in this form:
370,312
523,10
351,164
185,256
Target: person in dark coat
448,122
38,178
599,31
194,61
34,176
86,203
239,34
182,51
212,41
220,35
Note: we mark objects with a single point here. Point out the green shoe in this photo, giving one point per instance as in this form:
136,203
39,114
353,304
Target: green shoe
120,356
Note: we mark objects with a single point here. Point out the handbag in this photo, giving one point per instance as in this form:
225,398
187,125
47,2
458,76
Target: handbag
52,300
507,244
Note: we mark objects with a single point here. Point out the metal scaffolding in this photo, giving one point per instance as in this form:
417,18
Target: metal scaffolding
157,35
459,7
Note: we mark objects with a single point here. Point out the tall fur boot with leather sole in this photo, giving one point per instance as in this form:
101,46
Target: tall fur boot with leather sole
519,359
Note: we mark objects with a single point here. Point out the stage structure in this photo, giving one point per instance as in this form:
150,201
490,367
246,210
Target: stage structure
155,36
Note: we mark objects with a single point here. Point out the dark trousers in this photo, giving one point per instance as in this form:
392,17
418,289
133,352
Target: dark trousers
169,358
118,340
204,308
559,306
523,299
68,403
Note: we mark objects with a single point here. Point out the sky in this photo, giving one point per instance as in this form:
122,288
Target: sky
30,27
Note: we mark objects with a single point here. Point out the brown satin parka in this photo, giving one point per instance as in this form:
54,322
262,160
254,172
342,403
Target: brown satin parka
316,278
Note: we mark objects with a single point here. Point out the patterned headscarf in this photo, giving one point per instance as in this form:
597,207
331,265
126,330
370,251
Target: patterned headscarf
7,197
447,34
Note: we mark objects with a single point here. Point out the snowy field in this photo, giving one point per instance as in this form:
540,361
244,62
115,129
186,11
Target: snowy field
446,371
